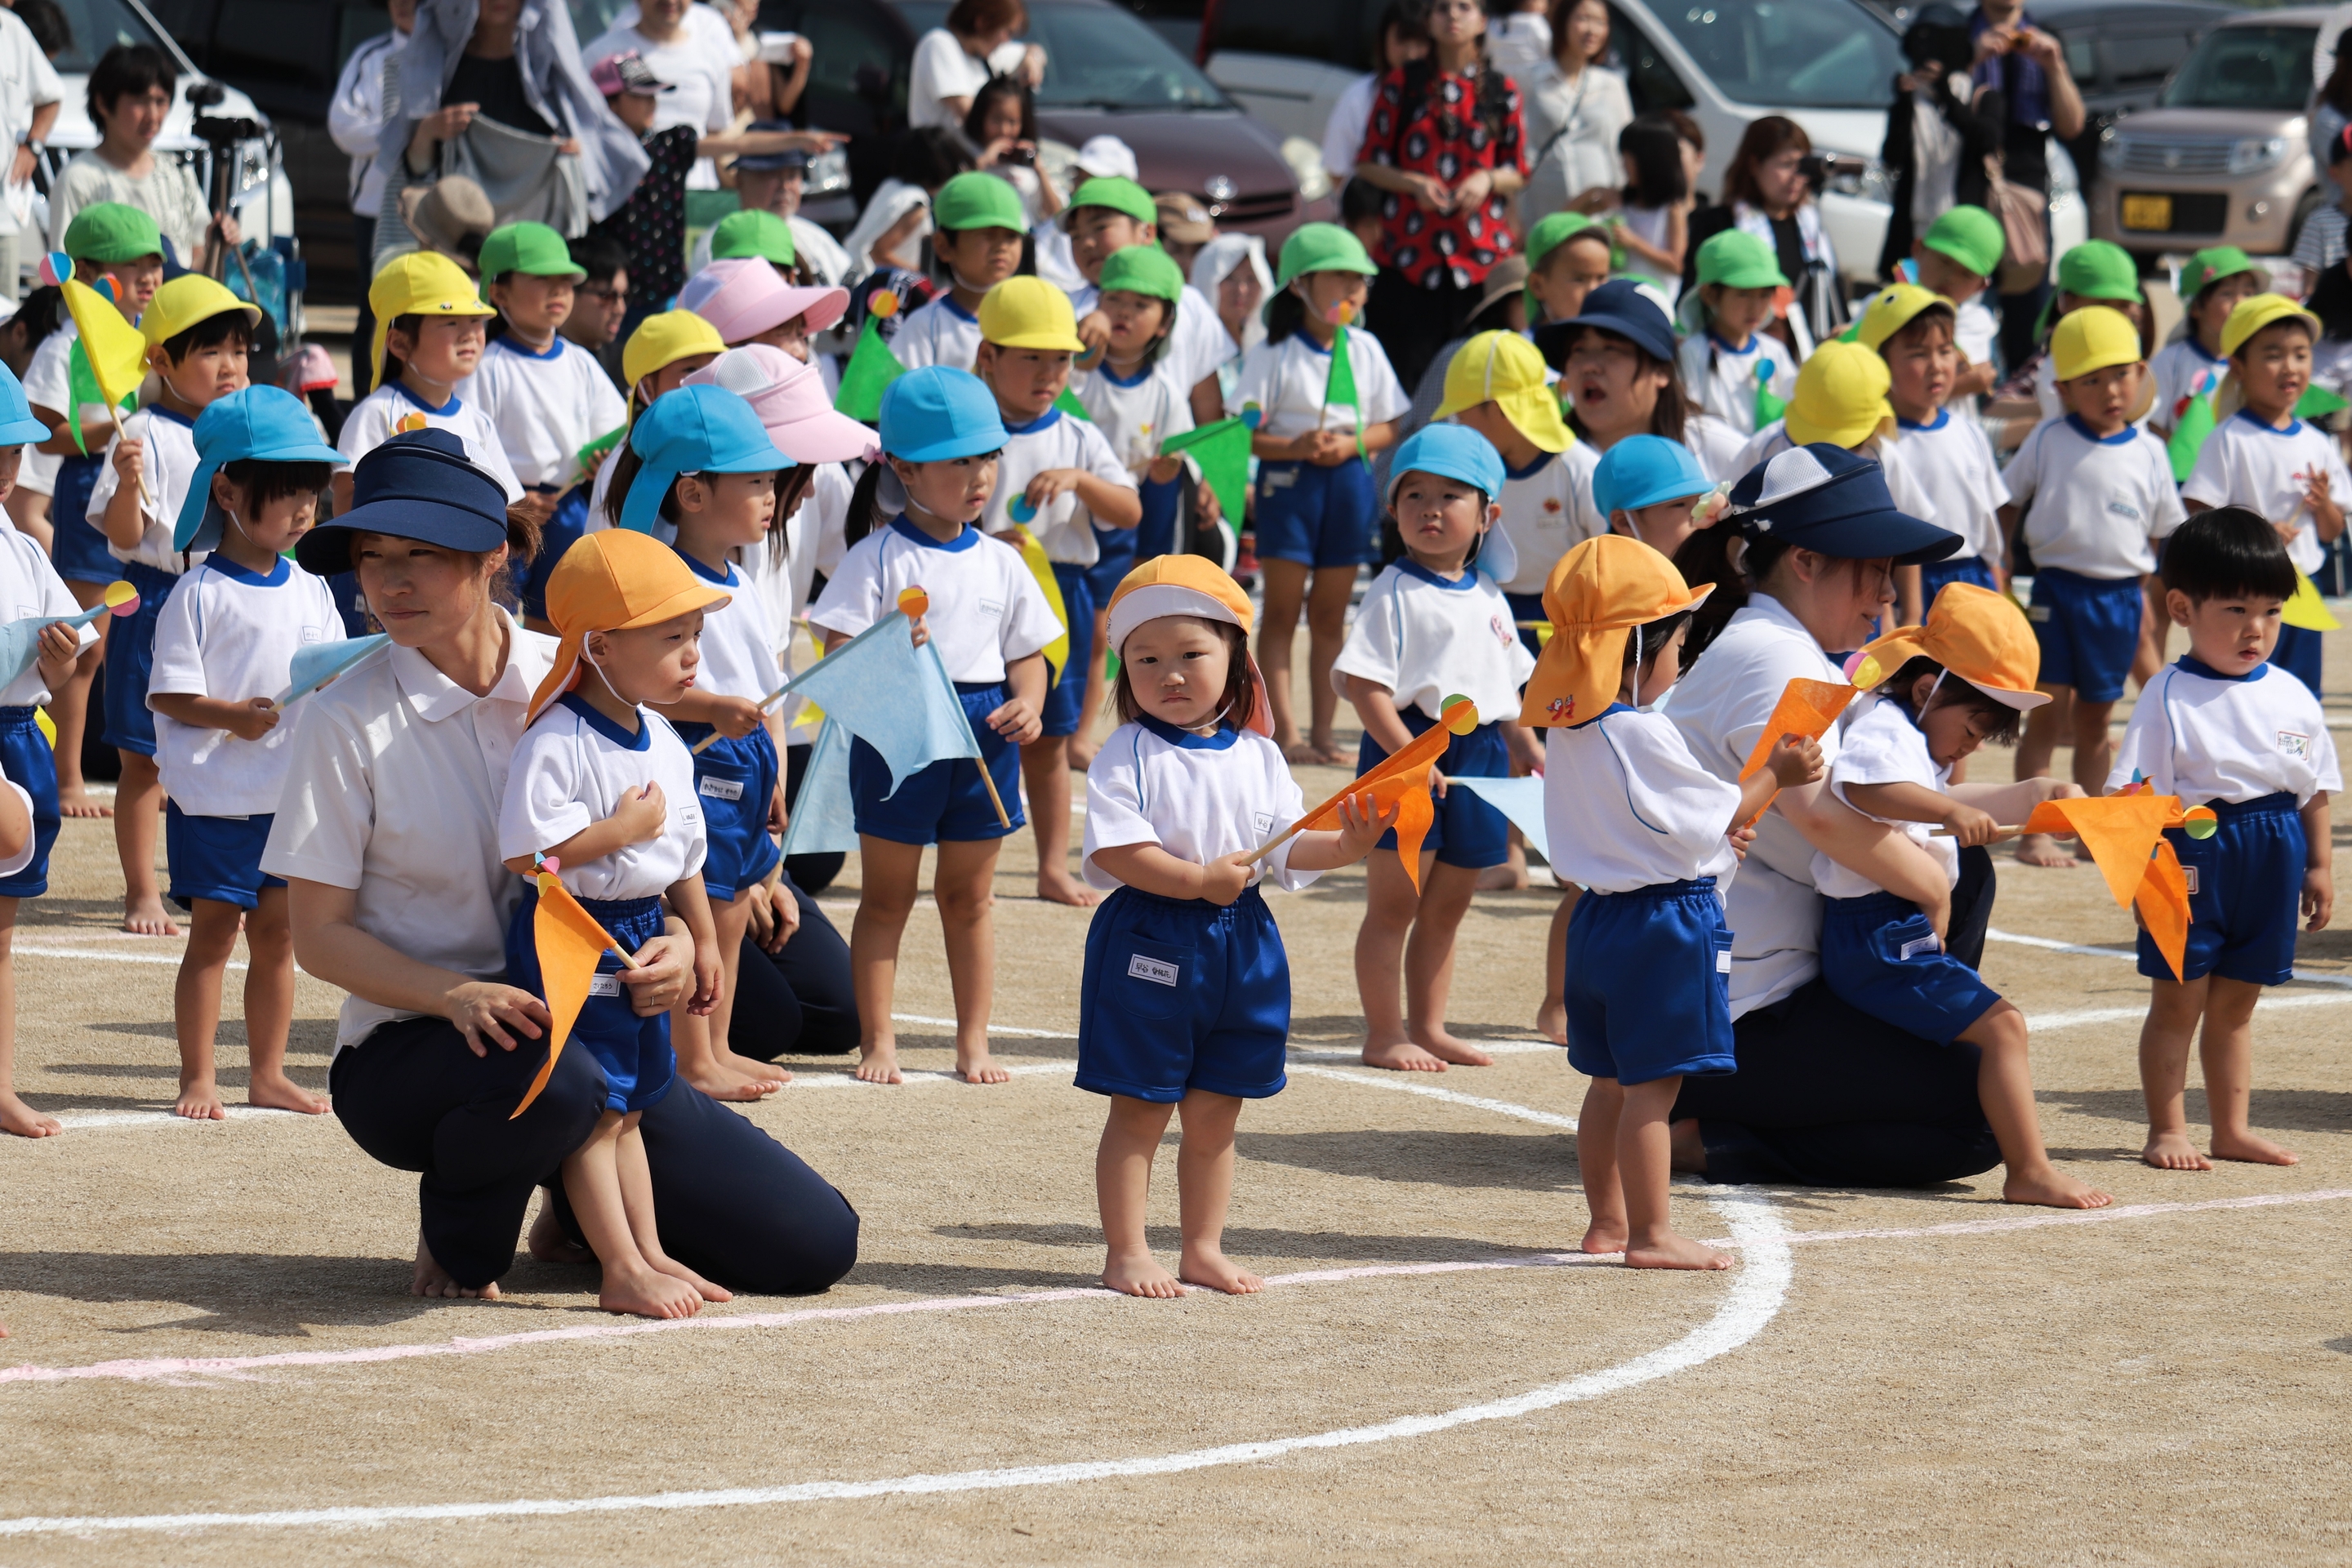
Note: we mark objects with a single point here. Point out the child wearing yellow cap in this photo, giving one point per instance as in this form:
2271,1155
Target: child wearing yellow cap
1636,819
1940,690
1184,1002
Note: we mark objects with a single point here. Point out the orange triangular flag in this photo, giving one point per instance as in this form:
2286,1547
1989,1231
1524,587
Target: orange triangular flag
1401,779
2119,830
2163,904
1806,707
571,945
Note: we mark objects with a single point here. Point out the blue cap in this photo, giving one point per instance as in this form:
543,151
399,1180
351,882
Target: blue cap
1623,307
1826,498
1451,452
939,412
1642,471
769,162
694,430
18,425
267,424
418,485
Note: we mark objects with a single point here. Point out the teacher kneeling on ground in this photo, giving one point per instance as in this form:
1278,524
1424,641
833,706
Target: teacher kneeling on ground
387,837
1825,1094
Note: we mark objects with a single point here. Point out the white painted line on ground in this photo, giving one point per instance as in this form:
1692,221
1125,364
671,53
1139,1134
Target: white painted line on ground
32,950
993,1029
2129,955
1409,1083
2119,1014
83,1120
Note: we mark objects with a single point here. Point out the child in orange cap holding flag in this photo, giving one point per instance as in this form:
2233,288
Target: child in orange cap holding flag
1186,997
1943,689
1636,819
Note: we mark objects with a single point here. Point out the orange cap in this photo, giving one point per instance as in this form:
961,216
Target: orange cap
1185,585
614,581
1597,594
1978,634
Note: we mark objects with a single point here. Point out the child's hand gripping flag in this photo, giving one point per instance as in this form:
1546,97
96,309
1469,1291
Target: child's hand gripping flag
20,641
1222,451
1400,783
872,367
2123,834
570,944
1807,708
111,349
318,663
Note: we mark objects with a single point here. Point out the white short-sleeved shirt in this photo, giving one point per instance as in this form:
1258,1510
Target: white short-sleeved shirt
230,633
2090,504
1721,708
28,81
169,458
375,419
740,651
29,587
1951,461
1722,379
1199,798
570,773
1135,414
167,192
1055,440
2209,737
394,781
1197,345
544,406
939,331
1547,510
986,609
1893,459
699,65
2181,369
1426,638
1881,745
1975,330
1343,133
1626,806
941,70
1286,380
2248,463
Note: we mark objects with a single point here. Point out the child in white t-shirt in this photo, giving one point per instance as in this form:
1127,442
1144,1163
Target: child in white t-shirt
2212,284
428,339
1733,367
977,226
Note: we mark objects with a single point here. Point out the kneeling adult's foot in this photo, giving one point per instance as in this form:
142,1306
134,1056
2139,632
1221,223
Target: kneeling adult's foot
24,1121
276,1091
1140,1275
1211,1267
2174,1152
2041,849
649,1293
879,1064
2051,1190
431,1279
549,1244
1675,1251
1451,1048
1401,1056
2253,1150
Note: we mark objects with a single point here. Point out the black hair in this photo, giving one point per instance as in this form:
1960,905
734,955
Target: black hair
600,255
265,482
865,502
984,99
2336,90
1410,18
128,69
1285,314
1657,178
1490,97
1706,557
1671,415
210,332
1650,639
2228,552
39,314
393,367
2340,148
1675,120
1358,200
1239,700
625,466
1940,312
929,157
46,22
2331,301
1951,693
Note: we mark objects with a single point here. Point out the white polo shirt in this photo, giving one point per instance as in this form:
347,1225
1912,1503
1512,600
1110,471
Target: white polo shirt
1199,798
1722,379
570,772
740,647
1286,380
2090,504
394,781
2207,737
1975,330
544,406
1064,526
2248,463
231,632
1881,745
168,454
1426,638
941,69
1136,413
375,419
939,331
29,587
1950,460
1547,510
1626,806
1717,445
986,609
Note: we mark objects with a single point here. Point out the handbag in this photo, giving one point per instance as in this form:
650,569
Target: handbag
2025,255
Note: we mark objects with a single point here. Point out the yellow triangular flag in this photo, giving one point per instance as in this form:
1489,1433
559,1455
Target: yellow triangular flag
2307,609
1057,652
117,353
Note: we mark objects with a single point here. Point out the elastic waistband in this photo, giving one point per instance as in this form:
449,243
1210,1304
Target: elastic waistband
978,687
20,719
1663,890
694,734
1250,895
1878,906
151,581
2279,804
611,912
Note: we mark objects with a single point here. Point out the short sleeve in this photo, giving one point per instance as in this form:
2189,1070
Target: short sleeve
1874,751
1669,793
2021,474
1372,651
46,378
1103,463
179,668
2165,511
542,807
1289,806
1029,621
2146,750
1115,799
2326,769
363,429
1376,380
853,596
326,810
2208,481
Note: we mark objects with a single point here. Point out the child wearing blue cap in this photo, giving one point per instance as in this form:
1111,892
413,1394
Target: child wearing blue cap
940,437
225,646
1432,625
1653,489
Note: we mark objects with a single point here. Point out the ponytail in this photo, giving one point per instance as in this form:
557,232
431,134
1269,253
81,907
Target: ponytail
864,503
1285,314
1706,557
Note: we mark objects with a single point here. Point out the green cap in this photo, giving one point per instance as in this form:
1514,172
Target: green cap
112,231
1737,259
1143,270
1120,195
2207,268
1970,235
531,247
2096,270
1321,248
978,199
756,236
1552,231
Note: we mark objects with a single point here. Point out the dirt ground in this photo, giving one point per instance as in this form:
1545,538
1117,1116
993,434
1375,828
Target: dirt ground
218,1364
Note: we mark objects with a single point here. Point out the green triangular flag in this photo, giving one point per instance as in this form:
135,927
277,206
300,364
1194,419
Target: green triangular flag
2192,423
872,367
82,386
1222,451
1340,388
1768,407
2317,402
1068,403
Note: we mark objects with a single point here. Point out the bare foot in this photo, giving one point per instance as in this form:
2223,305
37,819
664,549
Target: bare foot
276,1091
979,1066
2253,1150
722,1085
1552,1022
22,1120
879,1064
200,1101
745,1067
1210,1267
1504,877
1140,1275
548,1243
1057,886
1295,749
1082,754
1329,753
1448,1048
1672,1250
1602,1239
2173,1151
1687,1153
2041,849
76,802
431,1279
702,1287
146,917
1401,1056
2051,1190
649,1293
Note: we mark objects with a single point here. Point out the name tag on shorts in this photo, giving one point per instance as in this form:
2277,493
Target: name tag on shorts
2038,612
720,789
603,985
2189,874
1159,970
1723,962
1919,945
2295,745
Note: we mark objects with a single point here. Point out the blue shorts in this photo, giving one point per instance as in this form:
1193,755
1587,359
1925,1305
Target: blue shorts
1529,607
1163,513
736,780
1463,829
1181,995
1649,984
216,858
1317,516
130,659
1065,701
634,1052
561,531
2301,654
2089,631
25,754
1881,957
1937,575
2245,895
79,552
1119,549
945,803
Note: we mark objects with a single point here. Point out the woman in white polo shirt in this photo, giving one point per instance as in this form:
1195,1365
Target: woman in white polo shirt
387,836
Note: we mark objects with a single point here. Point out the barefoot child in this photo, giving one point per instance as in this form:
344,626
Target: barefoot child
1433,624
1636,819
1185,1002
428,338
2222,727
1073,488
1960,680
977,227
225,646
603,784
940,437
1734,354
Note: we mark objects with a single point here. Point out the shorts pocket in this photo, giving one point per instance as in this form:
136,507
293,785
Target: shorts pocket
1718,949
1149,979
1907,941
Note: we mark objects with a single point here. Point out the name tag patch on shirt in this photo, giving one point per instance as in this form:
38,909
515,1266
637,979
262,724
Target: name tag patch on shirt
2189,874
1264,820
2038,612
603,985
2124,509
721,789
2295,745
1159,970
313,634
991,607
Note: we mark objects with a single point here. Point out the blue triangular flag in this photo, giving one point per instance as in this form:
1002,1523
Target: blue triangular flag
1521,800
894,696
318,663
823,822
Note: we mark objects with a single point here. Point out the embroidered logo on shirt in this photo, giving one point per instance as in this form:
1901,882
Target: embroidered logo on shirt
603,985
721,789
1264,820
991,607
1551,503
1159,970
1502,629
2125,509
2295,745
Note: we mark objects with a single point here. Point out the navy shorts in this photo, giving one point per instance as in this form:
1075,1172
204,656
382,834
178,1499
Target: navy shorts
2301,654
561,531
2089,631
1155,534
79,552
736,780
944,802
1881,957
130,660
1463,829
216,858
1937,575
1119,547
1181,995
24,753
1649,984
2245,895
1529,607
1064,712
1317,516
634,1052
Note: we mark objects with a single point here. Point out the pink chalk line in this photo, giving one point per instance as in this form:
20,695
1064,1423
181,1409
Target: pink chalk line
174,1367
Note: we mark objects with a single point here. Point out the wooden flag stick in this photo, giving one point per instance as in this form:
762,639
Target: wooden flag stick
987,778
2006,831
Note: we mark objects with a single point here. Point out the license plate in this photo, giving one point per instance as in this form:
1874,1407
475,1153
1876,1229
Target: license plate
2148,212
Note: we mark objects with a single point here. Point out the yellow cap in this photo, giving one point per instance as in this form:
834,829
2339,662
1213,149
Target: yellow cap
1505,368
1892,309
1029,313
2250,316
183,302
1977,634
1597,594
421,283
664,339
2097,337
614,581
1841,396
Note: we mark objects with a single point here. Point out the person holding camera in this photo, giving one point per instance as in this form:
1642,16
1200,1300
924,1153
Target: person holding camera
1770,192
2009,51
132,89
1941,128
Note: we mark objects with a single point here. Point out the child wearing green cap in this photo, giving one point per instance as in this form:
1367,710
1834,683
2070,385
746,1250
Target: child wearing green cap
1105,216
2192,364
977,227
1738,367
1568,255
1956,259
